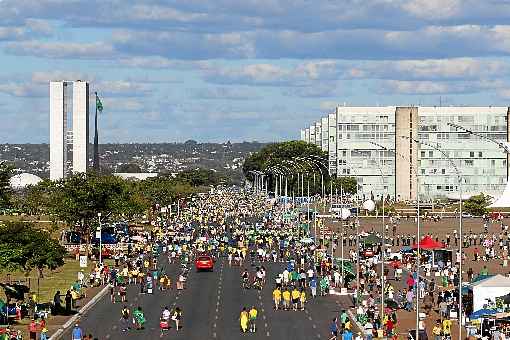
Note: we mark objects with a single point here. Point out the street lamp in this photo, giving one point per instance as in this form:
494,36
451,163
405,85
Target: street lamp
383,247
99,233
459,180
417,231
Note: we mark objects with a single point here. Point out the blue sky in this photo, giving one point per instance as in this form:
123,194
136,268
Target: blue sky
171,70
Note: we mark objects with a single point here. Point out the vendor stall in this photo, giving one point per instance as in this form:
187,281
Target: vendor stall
486,291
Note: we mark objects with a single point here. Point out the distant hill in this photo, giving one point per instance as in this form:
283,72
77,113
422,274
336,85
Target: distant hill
226,158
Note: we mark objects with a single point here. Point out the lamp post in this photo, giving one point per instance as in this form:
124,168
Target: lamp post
99,233
383,245
506,148
417,231
459,180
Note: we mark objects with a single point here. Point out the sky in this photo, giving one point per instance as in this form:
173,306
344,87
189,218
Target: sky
218,70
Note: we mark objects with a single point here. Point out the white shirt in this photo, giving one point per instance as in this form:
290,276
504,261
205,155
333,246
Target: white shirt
166,314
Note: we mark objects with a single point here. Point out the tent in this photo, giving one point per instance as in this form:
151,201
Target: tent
489,289
372,239
481,313
428,243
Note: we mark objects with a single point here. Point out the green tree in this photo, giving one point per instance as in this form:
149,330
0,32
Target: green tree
25,247
288,156
5,187
35,199
198,177
129,168
477,205
347,184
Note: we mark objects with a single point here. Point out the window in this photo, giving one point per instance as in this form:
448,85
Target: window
431,154
480,154
423,154
443,171
423,171
439,187
471,154
469,162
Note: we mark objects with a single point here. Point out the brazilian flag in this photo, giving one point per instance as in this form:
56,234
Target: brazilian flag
99,105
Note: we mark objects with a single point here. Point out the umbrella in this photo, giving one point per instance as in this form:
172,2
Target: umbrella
482,312
306,240
391,304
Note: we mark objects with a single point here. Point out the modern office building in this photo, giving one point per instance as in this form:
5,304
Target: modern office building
68,100
352,132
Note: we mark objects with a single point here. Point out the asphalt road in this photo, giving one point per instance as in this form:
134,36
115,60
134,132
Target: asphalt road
211,304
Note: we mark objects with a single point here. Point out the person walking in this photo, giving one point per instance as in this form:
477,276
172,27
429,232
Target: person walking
333,328
277,298
253,319
243,318
69,302
177,317
124,318
77,333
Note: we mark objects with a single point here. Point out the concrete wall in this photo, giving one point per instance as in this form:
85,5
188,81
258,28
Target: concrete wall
58,128
80,126
406,153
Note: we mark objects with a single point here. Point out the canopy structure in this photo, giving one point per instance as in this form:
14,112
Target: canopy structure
489,289
481,313
503,201
372,239
428,243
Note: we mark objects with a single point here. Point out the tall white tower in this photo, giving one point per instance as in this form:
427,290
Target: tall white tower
61,100
58,130
80,126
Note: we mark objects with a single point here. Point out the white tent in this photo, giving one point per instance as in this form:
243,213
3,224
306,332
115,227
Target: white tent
489,289
23,180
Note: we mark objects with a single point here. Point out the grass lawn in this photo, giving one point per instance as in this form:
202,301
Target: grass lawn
60,279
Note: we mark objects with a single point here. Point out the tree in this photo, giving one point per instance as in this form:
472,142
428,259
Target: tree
130,168
5,187
198,177
35,199
477,205
349,185
282,155
25,247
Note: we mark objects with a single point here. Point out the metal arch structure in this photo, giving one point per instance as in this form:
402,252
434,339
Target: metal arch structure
503,200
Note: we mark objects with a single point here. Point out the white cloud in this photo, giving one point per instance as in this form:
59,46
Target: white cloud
224,93
51,49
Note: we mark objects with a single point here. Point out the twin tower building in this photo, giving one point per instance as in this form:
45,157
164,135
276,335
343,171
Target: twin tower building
69,128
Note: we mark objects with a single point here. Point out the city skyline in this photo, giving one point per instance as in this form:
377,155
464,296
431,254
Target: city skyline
223,70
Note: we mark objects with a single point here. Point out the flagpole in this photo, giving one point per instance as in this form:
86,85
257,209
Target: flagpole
96,142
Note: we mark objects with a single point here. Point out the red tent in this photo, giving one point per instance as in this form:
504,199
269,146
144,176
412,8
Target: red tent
429,243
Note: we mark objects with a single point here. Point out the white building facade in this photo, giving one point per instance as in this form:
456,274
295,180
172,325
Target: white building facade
351,152
65,95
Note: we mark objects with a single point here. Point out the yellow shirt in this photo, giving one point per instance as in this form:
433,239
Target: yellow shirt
447,325
286,295
303,296
277,294
296,294
253,313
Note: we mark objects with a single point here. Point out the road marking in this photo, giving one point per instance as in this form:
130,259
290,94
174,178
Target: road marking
318,336
314,327
310,318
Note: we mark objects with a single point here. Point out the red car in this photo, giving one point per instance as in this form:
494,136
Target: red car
204,262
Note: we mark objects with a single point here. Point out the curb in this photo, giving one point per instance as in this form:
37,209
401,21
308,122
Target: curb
58,334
